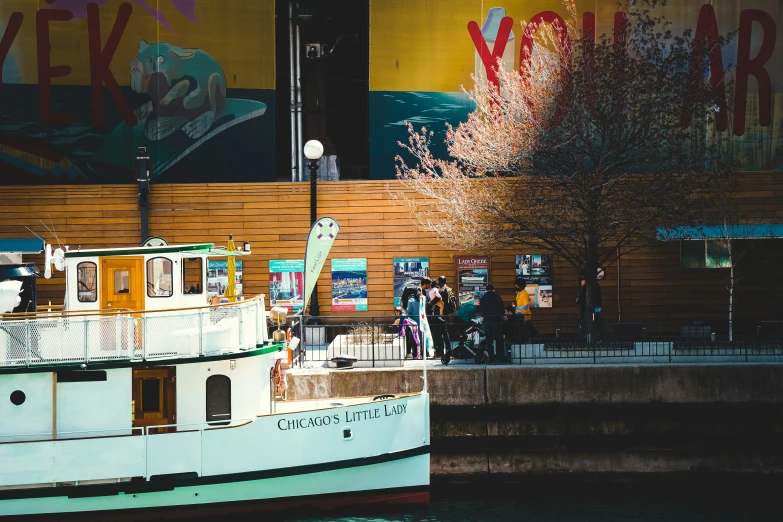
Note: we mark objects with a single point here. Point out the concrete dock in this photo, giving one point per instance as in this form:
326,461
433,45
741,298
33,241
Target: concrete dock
490,422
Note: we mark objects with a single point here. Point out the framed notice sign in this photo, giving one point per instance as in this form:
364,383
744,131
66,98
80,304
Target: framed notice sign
409,271
472,276
349,285
286,283
536,270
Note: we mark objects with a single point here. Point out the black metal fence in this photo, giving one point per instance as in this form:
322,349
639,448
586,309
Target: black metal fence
385,341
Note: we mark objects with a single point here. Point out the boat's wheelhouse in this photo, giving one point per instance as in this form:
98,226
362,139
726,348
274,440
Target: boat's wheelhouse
137,330
153,278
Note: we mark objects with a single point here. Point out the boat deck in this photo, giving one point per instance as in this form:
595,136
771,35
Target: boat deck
65,337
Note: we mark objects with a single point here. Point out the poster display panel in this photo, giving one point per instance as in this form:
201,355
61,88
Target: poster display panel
217,277
286,283
472,278
536,270
349,285
409,271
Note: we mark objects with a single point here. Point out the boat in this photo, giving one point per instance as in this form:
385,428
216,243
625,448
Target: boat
140,399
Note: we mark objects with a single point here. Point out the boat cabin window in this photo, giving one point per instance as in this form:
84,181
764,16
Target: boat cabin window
121,282
192,275
159,277
87,282
218,400
151,395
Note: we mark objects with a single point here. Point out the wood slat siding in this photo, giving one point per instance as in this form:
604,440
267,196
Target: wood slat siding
274,217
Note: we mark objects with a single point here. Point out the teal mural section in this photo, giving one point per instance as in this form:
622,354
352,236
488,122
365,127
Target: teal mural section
389,110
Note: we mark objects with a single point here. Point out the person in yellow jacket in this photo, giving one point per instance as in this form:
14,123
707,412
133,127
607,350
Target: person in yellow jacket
523,307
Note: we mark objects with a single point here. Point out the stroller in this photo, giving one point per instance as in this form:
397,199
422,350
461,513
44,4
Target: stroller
472,341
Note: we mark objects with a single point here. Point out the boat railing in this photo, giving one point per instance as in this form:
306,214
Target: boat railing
60,337
135,451
184,445
71,435
195,426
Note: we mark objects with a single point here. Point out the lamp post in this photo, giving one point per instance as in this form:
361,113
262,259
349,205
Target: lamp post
143,180
313,151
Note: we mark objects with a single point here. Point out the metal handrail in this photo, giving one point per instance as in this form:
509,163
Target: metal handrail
118,311
65,313
36,339
56,435
202,426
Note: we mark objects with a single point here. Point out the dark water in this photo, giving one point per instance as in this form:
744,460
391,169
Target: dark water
676,505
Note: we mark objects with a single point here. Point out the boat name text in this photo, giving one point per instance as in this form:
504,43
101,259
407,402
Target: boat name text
350,416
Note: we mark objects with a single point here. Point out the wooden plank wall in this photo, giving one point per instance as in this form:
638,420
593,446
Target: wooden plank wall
274,217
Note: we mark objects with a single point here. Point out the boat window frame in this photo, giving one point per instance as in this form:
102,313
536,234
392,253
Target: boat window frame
94,290
214,378
200,286
150,289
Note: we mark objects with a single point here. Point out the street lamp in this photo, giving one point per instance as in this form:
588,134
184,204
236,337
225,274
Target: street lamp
141,166
313,151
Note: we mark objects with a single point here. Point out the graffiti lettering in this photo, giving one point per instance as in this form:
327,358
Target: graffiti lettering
706,33
490,60
14,23
545,17
755,67
704,39
46,71
563,45
100,59
619,29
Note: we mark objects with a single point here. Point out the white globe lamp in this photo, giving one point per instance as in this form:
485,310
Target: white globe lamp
313,150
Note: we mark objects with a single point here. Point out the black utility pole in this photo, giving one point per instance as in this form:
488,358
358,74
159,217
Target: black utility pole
143,179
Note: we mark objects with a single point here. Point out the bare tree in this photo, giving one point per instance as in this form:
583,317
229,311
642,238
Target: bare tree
585,149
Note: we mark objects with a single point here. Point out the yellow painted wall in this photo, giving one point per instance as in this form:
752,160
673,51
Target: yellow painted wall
424,45
238,34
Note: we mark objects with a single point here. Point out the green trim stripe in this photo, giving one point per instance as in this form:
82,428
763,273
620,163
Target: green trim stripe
199,247
261,349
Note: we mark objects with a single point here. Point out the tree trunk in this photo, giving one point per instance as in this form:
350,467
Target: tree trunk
591,270
731,300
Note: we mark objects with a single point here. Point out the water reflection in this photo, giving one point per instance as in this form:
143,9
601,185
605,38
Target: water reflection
568,508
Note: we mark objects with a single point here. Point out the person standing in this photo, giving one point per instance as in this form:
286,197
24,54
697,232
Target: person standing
491,308
594,315
522,309
413,310
450,302
410,342
434,304
449,309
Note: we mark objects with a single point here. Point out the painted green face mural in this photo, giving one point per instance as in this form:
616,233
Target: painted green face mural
92,86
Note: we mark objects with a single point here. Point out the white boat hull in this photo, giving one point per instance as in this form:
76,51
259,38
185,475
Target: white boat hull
371,452
399,481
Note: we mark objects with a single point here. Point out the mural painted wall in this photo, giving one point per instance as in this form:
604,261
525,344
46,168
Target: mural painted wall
422,52
86,82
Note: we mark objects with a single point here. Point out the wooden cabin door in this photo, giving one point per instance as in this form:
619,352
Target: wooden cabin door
154,397
122,283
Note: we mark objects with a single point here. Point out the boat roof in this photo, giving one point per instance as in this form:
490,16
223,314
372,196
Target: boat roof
194,248
21,245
